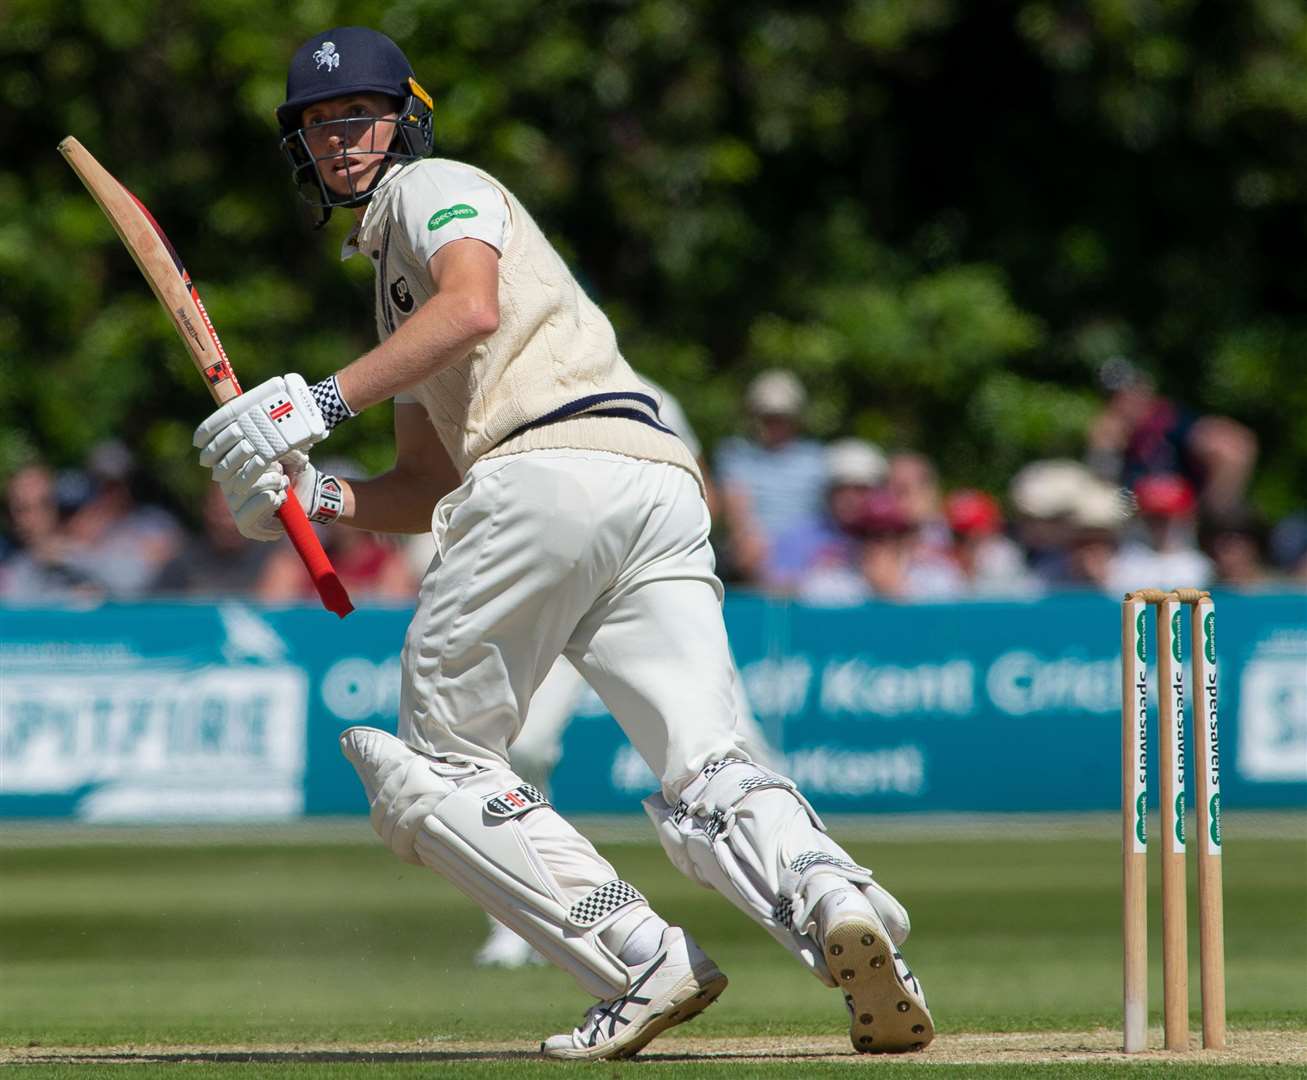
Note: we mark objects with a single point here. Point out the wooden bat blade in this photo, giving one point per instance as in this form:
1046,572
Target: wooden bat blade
161,266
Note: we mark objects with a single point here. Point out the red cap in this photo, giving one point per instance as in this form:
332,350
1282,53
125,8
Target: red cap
1164,495
973,513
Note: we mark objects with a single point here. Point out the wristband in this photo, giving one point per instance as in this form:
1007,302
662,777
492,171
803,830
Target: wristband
328,499
333,407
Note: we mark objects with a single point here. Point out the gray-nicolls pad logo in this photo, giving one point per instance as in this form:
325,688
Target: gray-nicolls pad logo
327,56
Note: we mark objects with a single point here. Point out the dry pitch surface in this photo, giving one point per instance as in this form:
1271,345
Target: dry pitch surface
1017,1048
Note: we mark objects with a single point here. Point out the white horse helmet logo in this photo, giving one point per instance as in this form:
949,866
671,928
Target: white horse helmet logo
327,56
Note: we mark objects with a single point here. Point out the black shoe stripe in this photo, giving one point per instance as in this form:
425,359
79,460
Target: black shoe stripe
613,1012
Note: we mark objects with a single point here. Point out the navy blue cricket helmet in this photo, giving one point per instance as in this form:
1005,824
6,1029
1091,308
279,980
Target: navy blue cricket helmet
351,60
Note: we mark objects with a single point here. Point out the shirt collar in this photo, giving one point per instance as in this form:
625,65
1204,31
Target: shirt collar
357,239
350,245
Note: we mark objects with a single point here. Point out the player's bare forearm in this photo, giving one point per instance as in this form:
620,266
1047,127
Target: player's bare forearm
394,502
401,500
440,333
463,312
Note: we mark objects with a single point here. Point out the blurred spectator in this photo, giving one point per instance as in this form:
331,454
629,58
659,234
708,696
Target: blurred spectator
887,533
879,569
1164,555
370,567
990,563
1139,434
1289,548
1236,542
115,541
1096,522
927,545
35,567
771,481
1044,496
218,562
914,483
889,563
826,538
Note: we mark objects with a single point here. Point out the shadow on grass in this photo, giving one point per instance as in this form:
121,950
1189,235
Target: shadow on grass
186,1057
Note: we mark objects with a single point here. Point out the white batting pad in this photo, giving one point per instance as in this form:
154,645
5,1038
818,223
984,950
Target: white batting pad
499,841
748,833
402,787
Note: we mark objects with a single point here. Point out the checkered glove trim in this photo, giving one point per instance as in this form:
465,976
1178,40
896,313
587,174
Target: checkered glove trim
715,824
334,408
783,912
820,858
715,767
603,902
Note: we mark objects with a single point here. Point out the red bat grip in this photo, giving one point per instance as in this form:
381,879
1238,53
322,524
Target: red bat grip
334,596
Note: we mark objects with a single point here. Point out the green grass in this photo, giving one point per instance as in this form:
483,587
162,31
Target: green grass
321,943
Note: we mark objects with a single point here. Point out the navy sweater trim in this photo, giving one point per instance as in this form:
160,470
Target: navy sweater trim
587,406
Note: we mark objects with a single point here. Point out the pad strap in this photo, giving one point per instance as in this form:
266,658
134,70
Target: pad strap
748,833
792,878
711,797
597,906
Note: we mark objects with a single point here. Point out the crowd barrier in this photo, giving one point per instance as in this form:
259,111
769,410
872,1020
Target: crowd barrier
227,711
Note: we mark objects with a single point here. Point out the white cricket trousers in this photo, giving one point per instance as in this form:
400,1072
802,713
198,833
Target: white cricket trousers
593,555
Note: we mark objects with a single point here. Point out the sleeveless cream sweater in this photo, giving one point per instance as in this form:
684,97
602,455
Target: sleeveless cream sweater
550,377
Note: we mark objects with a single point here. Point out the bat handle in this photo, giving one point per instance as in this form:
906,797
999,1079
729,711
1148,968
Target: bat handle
334,596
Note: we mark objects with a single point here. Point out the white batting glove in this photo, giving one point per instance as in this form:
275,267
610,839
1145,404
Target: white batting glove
319,493
252,431
255,499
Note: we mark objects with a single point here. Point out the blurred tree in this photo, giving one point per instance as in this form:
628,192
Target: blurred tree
944,216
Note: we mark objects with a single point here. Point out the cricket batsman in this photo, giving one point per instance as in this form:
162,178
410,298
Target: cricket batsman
569,520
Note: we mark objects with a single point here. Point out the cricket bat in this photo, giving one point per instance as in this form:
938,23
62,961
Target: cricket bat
163,269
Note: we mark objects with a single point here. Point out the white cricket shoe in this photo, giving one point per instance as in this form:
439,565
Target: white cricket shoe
887,1006
676,984
504,949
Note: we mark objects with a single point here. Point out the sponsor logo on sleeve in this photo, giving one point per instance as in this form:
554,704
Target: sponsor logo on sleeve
450,213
